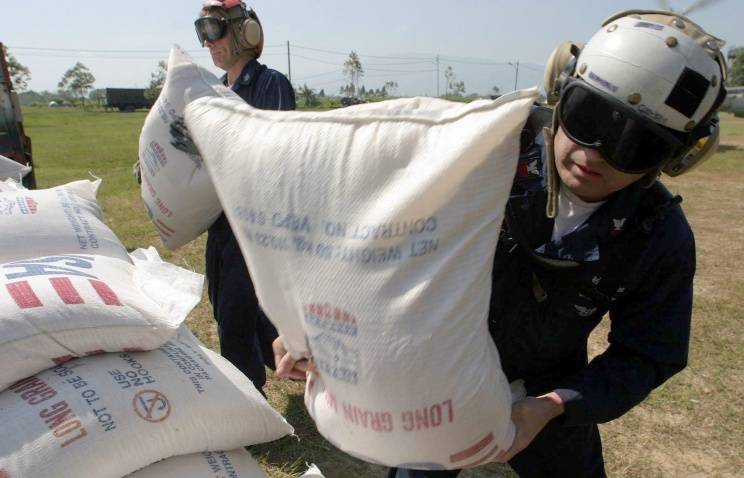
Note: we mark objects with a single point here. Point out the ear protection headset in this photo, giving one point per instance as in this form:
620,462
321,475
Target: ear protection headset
249,32
561,65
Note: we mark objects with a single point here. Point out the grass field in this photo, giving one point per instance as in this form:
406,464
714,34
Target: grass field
693,426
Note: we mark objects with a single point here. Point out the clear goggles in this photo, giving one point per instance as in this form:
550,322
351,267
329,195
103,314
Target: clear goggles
210,28
629,141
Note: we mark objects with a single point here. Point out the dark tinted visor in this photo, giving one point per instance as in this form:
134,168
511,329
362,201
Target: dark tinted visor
210,29
629,141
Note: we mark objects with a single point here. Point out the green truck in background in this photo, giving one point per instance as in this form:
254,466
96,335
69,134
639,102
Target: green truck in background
127,99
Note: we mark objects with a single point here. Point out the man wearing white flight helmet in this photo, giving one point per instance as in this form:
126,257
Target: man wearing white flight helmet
589,230
235,38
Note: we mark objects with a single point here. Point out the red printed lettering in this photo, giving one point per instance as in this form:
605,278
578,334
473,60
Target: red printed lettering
105,293
488,457
331,401
473,450
59,419
33,391
81,432
23,295
377,421
62,359
63,422
427,417
53,410
66,291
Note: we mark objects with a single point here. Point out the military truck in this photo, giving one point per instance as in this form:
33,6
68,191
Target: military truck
14,143
127,99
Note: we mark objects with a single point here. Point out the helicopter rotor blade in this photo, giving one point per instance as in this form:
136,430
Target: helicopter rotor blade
665,5
699,5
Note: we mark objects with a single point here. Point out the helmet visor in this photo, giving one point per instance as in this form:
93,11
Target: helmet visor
629,141
210,29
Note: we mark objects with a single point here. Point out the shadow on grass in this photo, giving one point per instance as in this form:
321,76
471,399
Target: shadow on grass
725,148
291,455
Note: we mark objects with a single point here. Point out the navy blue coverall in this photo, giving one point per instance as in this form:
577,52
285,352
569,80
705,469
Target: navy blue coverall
244,331
636,260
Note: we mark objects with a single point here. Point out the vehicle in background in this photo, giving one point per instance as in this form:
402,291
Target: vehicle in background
734,102
351,101
127,99
14,143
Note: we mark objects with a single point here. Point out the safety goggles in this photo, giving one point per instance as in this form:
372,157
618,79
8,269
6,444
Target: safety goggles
210,28
629,141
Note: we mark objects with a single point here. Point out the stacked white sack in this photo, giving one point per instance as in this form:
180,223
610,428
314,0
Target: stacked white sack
10,169
62,220
313,472
176,189
218,464
90,418
53,309
369,233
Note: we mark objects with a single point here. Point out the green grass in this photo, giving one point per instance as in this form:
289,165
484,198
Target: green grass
692,426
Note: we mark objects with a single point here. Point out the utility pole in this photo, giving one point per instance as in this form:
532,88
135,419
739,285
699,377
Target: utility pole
437,76
289,63
516,73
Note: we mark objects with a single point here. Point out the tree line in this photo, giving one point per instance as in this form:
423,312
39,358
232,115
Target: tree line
77,83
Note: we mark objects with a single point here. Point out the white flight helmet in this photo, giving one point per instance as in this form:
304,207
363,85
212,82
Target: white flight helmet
656,65
646,82
662,64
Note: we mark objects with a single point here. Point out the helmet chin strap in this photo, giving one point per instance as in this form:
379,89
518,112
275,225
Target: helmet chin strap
554,182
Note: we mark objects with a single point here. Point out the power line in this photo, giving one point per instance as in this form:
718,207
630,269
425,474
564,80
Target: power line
315,59
398,64
468,62
334,52
536,69
318,60
319,74
91,50
403,60
400,71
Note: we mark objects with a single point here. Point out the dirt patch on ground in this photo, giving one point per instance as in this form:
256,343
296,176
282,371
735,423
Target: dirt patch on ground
693,425
732,141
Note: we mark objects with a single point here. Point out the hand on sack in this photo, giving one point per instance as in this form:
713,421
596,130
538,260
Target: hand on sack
181,138
286,365
530,415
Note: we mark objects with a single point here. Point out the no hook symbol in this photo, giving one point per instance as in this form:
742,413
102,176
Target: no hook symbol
151,406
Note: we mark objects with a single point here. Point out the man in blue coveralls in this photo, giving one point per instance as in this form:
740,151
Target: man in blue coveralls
234,36
589,230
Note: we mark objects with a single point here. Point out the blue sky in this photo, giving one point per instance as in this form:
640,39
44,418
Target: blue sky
122,42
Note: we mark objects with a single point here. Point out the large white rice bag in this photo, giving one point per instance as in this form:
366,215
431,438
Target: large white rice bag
53,309
110,415
176,189
369,233
10,169
218,464
65,219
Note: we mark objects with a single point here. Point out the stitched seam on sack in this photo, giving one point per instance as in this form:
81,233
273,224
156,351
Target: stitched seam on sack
291,116
72,330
